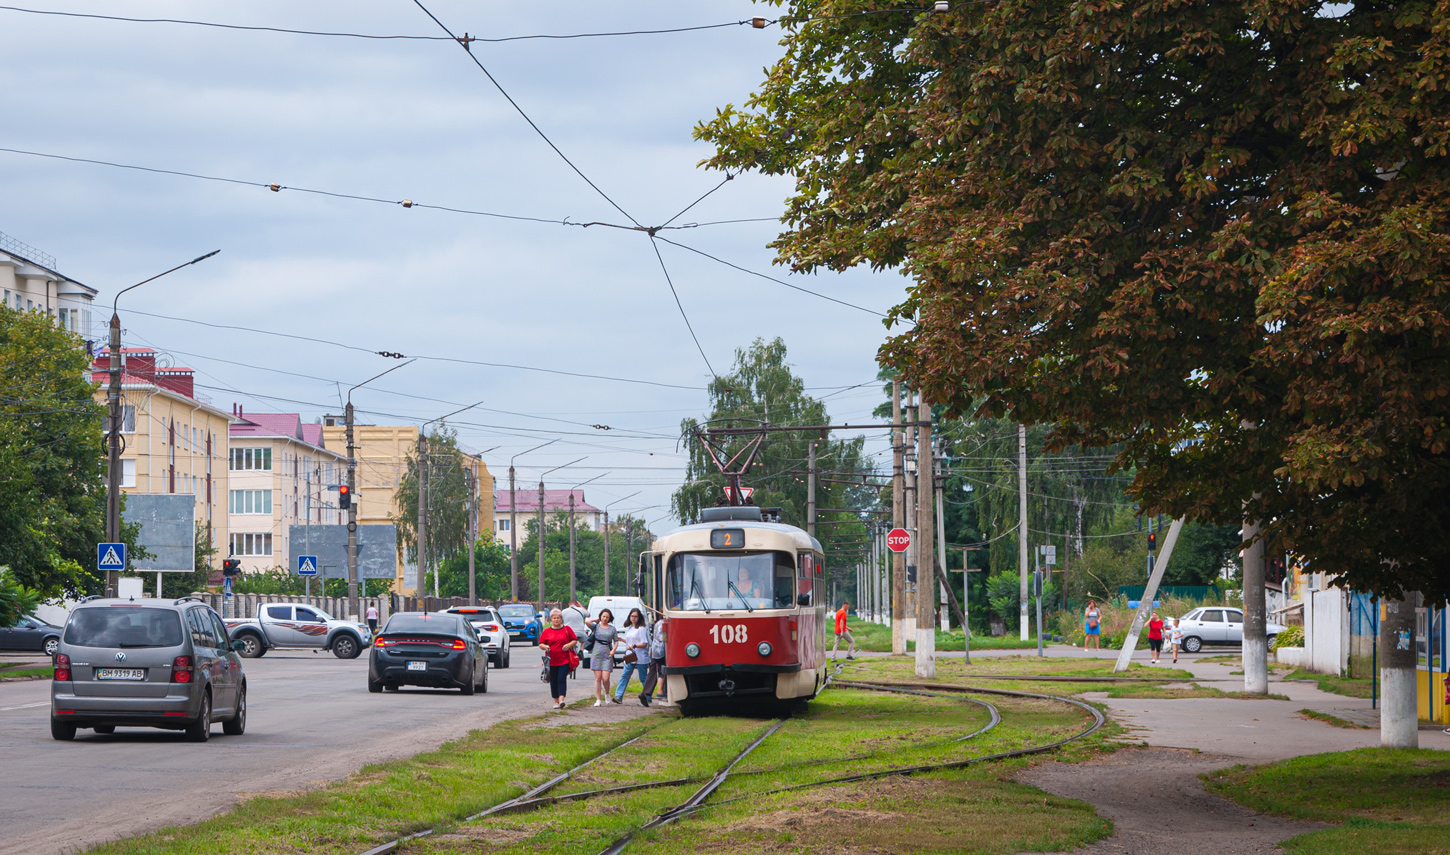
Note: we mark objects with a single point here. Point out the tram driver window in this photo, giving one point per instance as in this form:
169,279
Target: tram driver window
714,581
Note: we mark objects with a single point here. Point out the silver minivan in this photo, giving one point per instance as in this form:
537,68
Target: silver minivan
147,663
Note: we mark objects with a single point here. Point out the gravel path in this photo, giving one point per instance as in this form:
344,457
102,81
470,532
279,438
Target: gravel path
1157,804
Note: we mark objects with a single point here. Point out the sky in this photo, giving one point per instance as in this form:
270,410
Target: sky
395,119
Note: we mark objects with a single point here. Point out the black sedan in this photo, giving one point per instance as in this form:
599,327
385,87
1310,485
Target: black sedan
433,649
31,633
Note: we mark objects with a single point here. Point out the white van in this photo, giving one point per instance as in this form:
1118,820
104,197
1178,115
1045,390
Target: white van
620,607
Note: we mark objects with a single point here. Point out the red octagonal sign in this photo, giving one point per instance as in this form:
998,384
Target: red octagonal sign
898,539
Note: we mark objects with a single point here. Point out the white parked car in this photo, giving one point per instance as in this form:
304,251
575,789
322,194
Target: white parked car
1217,625
490,629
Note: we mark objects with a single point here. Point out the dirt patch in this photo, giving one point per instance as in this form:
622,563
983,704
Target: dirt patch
1157,804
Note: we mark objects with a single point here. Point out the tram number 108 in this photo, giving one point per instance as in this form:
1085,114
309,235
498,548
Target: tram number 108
727,634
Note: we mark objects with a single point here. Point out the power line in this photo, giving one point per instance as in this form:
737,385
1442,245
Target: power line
654,246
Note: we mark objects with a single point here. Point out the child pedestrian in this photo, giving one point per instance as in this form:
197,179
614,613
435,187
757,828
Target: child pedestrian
1155,636
1175,638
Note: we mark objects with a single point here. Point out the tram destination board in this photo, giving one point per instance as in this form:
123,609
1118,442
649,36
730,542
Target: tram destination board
727,538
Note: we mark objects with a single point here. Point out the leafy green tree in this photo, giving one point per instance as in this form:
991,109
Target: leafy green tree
1214,233
448,501
16,600
589,558
52,461
491,570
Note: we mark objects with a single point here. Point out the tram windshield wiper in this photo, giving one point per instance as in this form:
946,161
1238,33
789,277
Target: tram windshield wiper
695,590
740,595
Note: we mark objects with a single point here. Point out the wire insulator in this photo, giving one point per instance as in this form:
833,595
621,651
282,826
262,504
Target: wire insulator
757,22
274,187
407,203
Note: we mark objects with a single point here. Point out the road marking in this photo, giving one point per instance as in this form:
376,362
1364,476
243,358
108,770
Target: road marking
25,706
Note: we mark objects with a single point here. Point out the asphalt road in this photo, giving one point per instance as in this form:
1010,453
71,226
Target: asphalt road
310,720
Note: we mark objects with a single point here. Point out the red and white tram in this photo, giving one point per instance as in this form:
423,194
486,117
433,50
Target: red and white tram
743,598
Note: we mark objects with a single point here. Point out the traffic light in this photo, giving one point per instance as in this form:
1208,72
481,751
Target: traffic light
344,496
231,566
1152,541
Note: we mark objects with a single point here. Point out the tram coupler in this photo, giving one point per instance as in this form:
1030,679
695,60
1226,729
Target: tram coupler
727,686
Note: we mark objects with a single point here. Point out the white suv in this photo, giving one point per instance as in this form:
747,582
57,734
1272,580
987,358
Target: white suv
490,629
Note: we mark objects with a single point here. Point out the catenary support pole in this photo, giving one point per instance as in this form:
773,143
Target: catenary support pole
421,549
113,449
1023,540
1145,607
1399,713
941,549
573,584
926,581
811,488
606,551
898,520
513,538
540,591
353,499
472,532
1256,637
913,552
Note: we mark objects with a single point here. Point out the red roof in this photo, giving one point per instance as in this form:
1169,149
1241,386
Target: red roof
528,499
288,425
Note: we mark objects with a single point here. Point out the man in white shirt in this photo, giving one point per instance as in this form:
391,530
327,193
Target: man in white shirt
576,617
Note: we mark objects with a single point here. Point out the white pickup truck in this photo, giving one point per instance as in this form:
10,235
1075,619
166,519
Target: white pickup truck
297,626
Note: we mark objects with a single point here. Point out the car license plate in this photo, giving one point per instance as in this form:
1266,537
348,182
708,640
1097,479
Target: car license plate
120,674
417,666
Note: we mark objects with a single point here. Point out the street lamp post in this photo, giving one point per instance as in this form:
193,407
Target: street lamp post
113,439
424,464
353,497
573,576
514,525
606,536
540,532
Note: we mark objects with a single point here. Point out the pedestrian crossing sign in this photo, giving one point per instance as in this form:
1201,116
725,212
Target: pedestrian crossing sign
307,565
110,556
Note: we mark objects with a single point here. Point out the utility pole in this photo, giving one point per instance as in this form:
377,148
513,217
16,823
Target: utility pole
1256,636
606,535
422,556
925,577
1399,717
811,488
913,552
514,525
898,520
353,500
540,591
573,583
1022,539
941,551
472,531
113,436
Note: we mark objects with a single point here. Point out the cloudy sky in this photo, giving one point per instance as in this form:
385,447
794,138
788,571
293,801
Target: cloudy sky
416,119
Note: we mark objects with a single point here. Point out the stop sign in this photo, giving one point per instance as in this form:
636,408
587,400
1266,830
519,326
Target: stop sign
898,539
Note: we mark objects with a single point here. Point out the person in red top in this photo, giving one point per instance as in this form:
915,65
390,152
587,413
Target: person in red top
1155,636
841,630
557,641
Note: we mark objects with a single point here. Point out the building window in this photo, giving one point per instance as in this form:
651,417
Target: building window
250,502
503,525
251,459
128,473
128,420
251,544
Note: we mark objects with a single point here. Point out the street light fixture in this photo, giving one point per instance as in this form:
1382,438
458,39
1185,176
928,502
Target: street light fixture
540,532
514,525
113,407
353,498
606,537
421,547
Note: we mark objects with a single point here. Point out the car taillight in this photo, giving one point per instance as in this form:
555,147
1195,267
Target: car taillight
383,642
491,627
62,667
181,669
460,644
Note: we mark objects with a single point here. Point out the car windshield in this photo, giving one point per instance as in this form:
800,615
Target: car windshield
516,611
710,581
123,626
435,624
322,615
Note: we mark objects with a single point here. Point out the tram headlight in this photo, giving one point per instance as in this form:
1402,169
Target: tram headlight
692,650
764,648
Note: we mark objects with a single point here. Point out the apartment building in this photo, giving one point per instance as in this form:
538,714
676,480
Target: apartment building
586,516
280,473
29,282
173,440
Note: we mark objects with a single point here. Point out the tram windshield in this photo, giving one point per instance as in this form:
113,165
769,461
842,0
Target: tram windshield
714,581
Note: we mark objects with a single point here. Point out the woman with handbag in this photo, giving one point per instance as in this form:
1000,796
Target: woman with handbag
601,655
636,654
1092,629
560,646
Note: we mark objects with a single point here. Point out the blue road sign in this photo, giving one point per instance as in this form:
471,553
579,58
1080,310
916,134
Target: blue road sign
110,556
307,565
227,586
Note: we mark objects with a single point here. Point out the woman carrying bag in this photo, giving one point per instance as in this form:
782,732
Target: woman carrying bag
601,655
636,654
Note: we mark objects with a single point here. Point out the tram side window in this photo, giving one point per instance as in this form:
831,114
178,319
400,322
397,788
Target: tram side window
711,581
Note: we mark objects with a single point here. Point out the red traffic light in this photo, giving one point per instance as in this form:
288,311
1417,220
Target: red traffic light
344,496
231,566
1152,541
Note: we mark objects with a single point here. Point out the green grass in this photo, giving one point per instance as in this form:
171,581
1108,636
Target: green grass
1334,720
902,669
1193,690
29,672
877,638
1350,687
1390,801
976,809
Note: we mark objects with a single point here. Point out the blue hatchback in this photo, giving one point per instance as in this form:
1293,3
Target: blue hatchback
520,621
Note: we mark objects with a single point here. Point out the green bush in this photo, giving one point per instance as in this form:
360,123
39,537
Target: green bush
1292,636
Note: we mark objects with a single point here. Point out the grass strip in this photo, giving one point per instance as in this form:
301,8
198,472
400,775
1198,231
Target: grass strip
1350,687
1334,720
1193,690
1390,801
28,672
877,639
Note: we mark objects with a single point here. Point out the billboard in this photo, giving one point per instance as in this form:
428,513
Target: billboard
168,530
377,549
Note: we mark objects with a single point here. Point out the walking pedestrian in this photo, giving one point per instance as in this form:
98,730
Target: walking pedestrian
841,630
557,642
372,616
636,655
601,658
576,617
1155,636
1175,638
1092,626
657,663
